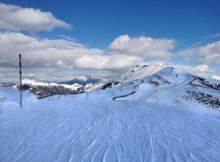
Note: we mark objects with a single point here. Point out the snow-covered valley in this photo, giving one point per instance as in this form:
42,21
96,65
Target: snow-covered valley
142,116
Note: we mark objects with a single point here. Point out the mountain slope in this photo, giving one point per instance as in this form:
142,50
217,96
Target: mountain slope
166,86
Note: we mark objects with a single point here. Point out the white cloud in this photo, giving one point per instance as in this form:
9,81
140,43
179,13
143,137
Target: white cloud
209,53
216,35
65,55
28,19
41,56
107,61
57,53
201,69
41,52
142,46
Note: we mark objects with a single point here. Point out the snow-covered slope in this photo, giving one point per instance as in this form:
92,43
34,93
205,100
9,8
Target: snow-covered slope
166,86
163,115
84,128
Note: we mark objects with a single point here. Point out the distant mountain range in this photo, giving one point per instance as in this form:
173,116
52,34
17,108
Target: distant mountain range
83,80
44,89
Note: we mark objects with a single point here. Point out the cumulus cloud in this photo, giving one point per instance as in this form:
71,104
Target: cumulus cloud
64,56
142,46
209,53
41,52
17,18
107,61
57,53
42,58
203,70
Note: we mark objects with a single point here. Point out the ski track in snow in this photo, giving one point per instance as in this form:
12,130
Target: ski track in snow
71,129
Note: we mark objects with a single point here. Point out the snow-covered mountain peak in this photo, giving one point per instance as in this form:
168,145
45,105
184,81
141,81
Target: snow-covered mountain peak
172,71
140,72
171,74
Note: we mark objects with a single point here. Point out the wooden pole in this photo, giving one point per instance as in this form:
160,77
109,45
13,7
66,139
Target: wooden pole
20,78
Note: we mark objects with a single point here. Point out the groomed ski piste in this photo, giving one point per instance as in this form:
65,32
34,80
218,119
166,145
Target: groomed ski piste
153,124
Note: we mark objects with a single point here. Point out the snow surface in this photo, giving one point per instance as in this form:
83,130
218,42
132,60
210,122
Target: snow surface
149,120
86,127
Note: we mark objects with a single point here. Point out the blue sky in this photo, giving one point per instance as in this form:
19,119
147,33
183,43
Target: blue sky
98,22
192,24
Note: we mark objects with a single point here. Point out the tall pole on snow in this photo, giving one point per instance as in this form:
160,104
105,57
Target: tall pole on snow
20,80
